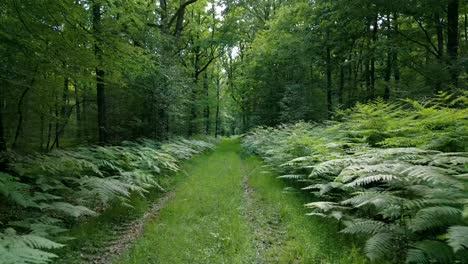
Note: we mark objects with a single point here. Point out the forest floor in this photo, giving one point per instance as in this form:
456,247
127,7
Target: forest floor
229,210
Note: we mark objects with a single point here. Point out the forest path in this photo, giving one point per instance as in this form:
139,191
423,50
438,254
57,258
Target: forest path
229,211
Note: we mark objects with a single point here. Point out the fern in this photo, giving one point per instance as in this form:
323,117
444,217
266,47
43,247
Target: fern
458,237
27,248
393,172
434,217
379,245
430,251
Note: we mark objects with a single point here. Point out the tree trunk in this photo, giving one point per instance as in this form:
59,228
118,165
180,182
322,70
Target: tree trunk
452,39
390,55
163,6
57,124
329,83
19,110
218,88
367,77
78,113
440,36
3,146
466,30
180,21
41,141
372,63
49,132
100,87
193,105
207,102
341,86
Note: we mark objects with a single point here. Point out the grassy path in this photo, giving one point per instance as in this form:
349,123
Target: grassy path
228,211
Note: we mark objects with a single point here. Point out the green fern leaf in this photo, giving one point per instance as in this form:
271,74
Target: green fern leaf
458,237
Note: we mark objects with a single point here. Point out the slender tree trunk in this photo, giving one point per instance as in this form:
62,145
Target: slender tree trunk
466,30
19,109
3,145
218,88
440,36
390,57
396,65
100,87
440,48
78,113
163,6
368,78
329,83
65,100
193,105
452,38
41,143
341,85
57,125
84,109
207,106
49,132
372,63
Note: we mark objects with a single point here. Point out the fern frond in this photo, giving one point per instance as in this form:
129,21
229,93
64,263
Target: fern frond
25,249
433,217
365,227
430,251
325,206
372,179
380,245
292,176
458,237
70,209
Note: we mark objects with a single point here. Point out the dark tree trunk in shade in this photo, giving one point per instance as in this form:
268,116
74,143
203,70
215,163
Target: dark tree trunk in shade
452,38
390,57
3,145
329,83
78,112
100,74
341,85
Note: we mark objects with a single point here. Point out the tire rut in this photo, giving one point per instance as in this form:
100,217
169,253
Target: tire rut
268,232
129,233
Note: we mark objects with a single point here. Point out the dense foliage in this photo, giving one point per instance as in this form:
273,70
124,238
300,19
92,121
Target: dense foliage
87,71
44,194
393,172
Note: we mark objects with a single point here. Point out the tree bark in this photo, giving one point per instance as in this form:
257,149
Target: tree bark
100,74
207,102
329,83
218,92
3,145
372,63
440,36
390,55
163,6
57,124
452,39
19,110
78,113
341,86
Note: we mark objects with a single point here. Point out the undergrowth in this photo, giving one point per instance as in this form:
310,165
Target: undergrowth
44,195
395,173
